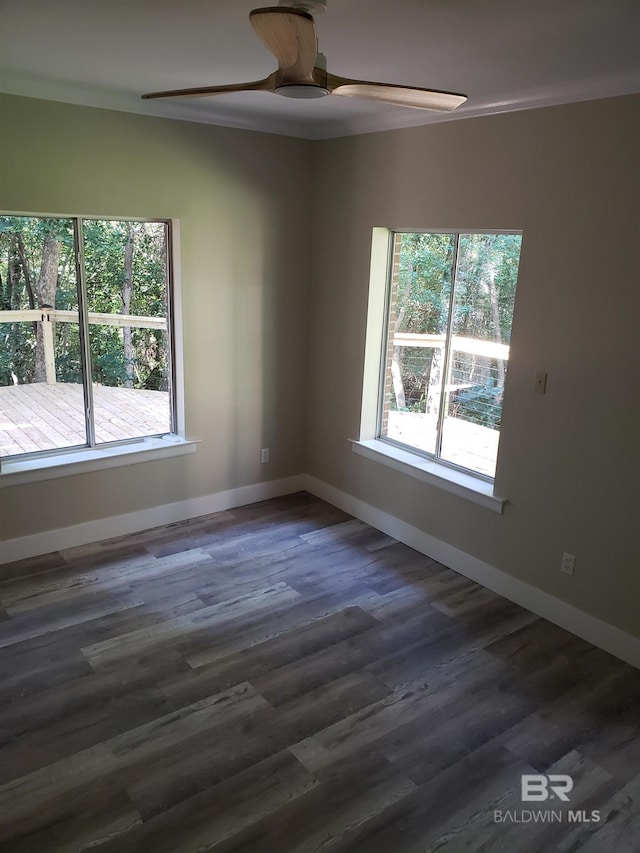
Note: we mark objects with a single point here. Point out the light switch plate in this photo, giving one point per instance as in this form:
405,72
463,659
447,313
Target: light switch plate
540,384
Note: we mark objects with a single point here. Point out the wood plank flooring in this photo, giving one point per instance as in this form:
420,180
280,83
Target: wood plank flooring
282,678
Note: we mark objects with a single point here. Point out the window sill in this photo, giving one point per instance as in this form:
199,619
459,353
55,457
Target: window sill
81,461
429,471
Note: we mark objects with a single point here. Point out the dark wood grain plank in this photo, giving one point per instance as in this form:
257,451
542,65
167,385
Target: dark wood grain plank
207,758
222,811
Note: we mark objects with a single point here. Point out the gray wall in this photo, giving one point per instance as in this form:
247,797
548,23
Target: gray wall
245,248
568,462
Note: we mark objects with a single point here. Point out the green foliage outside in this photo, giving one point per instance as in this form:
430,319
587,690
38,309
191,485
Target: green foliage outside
21,241
141,364
485,269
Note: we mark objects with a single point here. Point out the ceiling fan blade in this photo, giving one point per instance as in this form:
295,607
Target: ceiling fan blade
290,35
402,96
266,85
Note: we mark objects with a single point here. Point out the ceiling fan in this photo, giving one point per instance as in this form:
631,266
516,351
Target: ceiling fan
289,32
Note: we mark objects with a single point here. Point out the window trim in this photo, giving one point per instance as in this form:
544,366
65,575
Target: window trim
456,481
56,462
453,478
34,468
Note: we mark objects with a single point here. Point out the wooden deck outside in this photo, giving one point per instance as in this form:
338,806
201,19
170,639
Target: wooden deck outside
464,443
45,417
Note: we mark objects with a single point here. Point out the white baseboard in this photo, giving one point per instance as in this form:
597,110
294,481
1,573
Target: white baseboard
121,525
589,628
593,630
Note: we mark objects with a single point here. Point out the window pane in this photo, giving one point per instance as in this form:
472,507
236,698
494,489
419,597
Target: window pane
485,284
418,315
41,393
127,297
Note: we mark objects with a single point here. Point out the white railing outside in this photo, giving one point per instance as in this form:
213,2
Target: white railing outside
47,316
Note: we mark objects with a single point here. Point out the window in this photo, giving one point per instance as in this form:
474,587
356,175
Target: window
446,346
85,333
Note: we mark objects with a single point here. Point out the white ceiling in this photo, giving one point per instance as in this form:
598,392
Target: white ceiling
504,54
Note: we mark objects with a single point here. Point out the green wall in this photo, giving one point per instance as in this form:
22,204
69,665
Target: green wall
245,269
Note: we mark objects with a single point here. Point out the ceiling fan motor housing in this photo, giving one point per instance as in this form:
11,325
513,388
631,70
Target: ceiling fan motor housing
304,91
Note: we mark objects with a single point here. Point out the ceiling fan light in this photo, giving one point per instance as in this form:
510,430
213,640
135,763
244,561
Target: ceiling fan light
305,91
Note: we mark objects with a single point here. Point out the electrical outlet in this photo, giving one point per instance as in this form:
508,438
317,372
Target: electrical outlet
568,563
264,455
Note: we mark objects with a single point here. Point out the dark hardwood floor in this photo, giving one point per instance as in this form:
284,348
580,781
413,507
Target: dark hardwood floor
283,678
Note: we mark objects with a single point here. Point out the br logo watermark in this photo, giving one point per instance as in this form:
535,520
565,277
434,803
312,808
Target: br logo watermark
539,788
536,787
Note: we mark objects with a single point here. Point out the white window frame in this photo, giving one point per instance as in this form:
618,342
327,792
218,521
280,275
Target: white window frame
51,464
412,462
